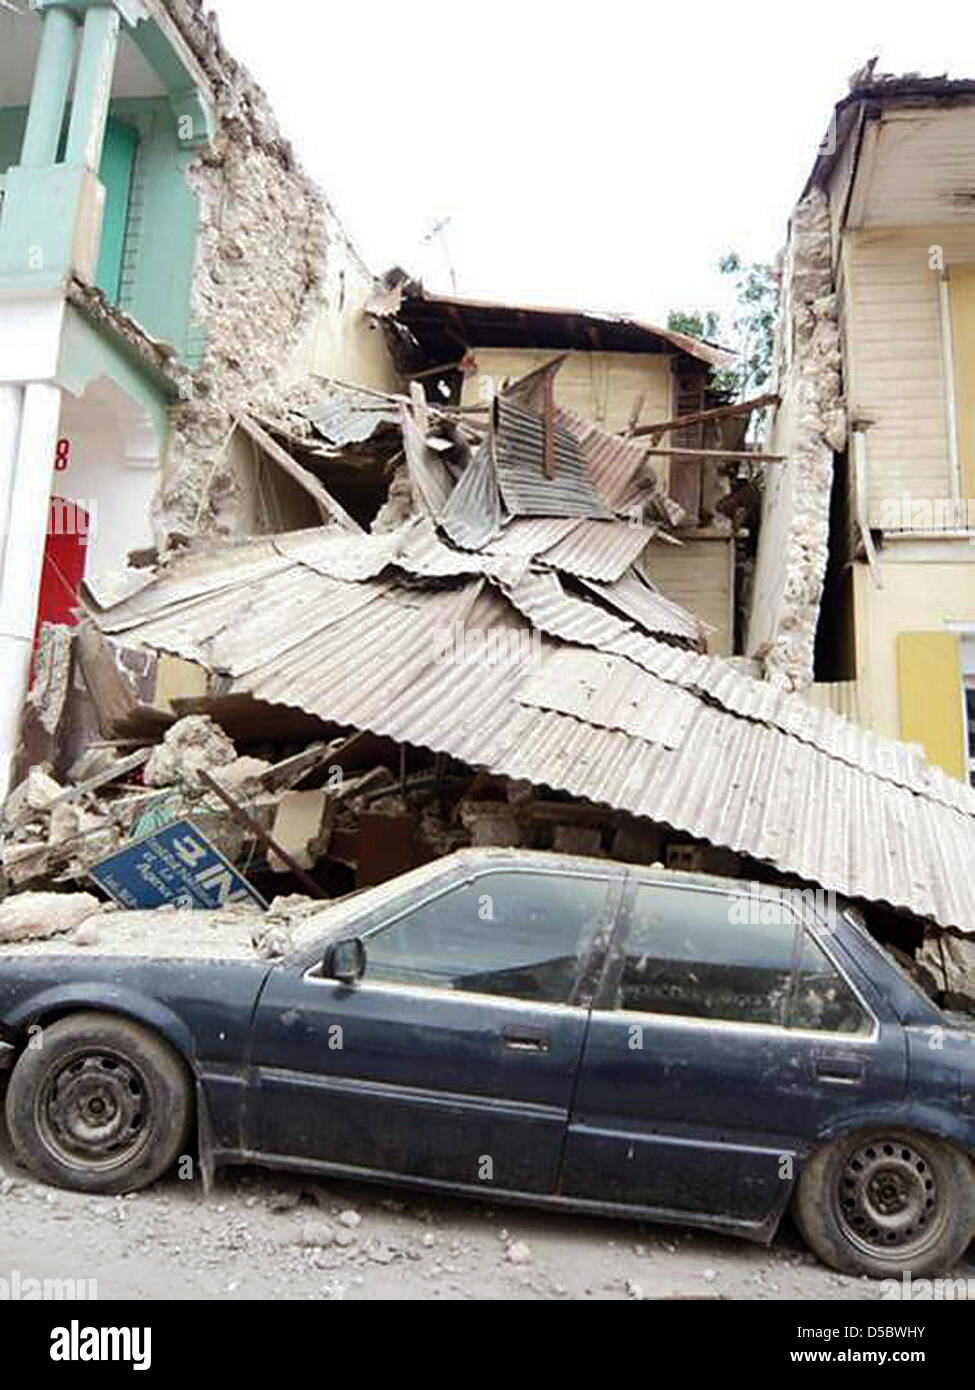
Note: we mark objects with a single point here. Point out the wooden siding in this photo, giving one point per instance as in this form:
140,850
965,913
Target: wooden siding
896,374
601,386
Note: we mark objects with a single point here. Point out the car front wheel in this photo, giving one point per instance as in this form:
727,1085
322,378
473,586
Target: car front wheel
99,1104
887,1201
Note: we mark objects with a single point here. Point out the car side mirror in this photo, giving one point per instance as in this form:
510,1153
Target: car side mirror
346,961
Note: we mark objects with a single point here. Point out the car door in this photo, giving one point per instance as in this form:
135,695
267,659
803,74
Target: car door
724,1040
455,1056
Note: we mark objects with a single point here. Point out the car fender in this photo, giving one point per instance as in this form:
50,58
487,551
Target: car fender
60,1000
911,1114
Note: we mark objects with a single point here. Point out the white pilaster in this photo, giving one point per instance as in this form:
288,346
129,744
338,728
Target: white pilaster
23,557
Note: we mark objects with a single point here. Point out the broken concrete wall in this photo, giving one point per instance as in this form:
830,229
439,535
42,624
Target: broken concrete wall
808,427
278,291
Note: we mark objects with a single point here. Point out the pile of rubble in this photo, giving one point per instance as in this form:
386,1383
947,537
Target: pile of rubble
54,832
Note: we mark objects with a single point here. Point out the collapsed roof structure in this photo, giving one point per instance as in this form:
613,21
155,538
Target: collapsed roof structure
502,622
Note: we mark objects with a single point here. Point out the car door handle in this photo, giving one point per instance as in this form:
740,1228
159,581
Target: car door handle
521,1039
846,1070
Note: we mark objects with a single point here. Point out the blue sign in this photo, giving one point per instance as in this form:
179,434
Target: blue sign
175,866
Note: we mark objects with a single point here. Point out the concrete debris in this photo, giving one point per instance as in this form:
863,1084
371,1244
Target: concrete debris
950,962
41,789
52,675
27,916
518,1253
191,744
298,824
86,935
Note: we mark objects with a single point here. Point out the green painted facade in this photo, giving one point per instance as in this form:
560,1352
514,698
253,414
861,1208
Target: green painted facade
118,159
159,251
149,226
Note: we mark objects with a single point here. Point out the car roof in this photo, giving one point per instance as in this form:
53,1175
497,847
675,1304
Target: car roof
492,856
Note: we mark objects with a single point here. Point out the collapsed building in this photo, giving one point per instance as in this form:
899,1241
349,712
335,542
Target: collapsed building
343,629
164,261
492,667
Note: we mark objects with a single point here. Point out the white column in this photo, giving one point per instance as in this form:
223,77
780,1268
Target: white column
11,402
23,557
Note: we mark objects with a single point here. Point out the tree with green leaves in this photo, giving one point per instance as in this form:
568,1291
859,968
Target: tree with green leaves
751,332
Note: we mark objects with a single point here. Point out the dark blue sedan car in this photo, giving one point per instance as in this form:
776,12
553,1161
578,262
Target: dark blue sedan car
574,1033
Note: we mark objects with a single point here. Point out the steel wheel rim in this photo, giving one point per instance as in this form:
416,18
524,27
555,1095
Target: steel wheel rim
888,1198
93,1110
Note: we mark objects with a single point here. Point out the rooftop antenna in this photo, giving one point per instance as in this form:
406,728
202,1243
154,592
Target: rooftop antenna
438,232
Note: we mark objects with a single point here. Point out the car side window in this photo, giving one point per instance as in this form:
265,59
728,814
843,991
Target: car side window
519,934
702,954
823,1000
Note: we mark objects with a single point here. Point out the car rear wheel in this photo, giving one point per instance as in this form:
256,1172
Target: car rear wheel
887,1201
101,1105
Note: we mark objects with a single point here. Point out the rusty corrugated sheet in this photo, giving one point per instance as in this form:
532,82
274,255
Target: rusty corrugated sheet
519,455
617,466
842,817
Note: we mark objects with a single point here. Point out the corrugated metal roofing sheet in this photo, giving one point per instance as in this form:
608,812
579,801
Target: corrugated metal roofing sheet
588,549
472,515
519,453
190,595
598,549
840,817
429,476
419,551
611,693
530,535
640,600
616,465
343,415
542,599
903,763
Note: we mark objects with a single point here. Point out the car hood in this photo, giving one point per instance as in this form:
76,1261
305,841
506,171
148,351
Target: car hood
162,933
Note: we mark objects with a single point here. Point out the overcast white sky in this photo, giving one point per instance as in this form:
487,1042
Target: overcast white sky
600,155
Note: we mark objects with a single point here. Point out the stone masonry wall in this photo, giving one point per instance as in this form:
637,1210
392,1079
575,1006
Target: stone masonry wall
810,425
267,239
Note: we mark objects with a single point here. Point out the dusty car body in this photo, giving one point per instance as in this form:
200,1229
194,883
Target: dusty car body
527,1027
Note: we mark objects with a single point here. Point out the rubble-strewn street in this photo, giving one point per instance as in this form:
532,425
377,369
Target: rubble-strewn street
268,1235
496,715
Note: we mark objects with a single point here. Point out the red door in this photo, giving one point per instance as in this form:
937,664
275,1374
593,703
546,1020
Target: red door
65,552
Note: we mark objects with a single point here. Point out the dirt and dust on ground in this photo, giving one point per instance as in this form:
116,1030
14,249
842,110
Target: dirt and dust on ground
263,1235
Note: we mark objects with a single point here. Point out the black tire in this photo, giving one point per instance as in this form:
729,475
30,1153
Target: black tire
880,1202
103,1105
